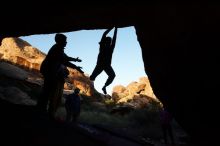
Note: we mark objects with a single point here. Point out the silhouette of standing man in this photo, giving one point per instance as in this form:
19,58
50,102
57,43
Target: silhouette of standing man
107,45
54,69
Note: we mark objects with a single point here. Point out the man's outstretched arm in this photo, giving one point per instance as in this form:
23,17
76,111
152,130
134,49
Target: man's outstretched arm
67,58
66,62
73,66
74,59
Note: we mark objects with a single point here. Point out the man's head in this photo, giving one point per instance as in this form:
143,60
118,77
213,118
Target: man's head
106,41
60,39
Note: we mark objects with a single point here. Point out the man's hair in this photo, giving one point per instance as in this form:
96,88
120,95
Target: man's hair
60,37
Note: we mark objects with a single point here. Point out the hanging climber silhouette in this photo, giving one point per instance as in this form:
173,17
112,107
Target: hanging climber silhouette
107,45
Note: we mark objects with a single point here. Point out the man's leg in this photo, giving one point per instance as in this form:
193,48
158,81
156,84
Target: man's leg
111,75
68,115
59,95
55,98
74,118
164,130
170,131
43,99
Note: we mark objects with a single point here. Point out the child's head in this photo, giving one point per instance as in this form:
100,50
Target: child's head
77,90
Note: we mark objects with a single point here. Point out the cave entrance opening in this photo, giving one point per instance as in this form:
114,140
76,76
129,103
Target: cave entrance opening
127,59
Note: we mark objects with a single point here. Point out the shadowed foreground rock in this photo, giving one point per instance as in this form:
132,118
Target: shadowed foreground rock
23,125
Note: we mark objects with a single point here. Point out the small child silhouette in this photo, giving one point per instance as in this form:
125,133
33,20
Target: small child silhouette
72,105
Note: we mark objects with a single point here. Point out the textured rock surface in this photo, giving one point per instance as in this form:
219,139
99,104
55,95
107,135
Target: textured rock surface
138,94
19,52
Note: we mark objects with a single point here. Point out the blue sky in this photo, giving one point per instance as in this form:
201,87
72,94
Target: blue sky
127,60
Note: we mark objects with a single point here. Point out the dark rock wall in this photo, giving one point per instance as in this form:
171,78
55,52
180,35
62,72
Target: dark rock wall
179,46
179,43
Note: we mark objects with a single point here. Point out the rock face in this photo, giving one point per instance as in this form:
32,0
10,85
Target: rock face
13,71
17,51
16,96
138,94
